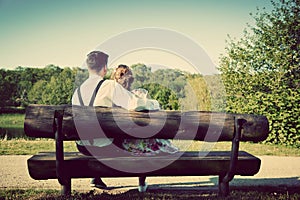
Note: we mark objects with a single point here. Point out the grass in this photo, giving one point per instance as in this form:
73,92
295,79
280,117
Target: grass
258,149
251,193
12,120
21,146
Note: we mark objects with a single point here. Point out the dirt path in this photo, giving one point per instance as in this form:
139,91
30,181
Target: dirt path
275,171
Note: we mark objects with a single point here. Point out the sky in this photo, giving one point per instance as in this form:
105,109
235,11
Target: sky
177,34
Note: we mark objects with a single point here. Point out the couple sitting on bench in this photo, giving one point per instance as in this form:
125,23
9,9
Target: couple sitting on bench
115,92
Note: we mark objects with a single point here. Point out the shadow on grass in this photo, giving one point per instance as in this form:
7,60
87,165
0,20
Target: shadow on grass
236,182
212,185
248,193
257,192
251,181
12,133
240,189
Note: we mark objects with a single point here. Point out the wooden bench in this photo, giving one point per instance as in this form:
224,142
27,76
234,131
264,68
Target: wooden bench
66,122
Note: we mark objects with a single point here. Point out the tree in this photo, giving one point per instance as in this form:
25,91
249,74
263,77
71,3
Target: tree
166,86
167,99
141,74
197,94
8,88
80,76
16,84
35,95
261,71
170,78
216,91
60,89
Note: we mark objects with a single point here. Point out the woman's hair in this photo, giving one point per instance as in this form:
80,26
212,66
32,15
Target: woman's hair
123,75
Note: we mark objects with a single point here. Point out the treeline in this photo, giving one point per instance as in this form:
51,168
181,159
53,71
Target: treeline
48,85
174,89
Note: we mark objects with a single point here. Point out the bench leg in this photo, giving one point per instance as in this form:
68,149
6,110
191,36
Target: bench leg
142,180
223,186
66,187
142,184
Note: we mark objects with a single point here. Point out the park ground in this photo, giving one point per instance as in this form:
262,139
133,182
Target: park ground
276,172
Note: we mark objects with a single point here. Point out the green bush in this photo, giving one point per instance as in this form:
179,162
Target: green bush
261,72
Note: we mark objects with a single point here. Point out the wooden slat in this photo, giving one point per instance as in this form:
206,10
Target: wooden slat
112,122
39,120
42,166
88,122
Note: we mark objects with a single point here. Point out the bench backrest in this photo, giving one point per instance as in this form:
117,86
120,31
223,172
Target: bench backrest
98,122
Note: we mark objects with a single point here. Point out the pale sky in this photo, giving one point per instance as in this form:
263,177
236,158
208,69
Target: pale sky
36,33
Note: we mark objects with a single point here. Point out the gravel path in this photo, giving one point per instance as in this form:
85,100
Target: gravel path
275,171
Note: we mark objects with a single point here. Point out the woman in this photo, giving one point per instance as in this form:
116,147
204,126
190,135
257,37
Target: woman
140,147
143,147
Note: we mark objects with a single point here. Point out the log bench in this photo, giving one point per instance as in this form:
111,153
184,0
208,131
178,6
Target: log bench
67,122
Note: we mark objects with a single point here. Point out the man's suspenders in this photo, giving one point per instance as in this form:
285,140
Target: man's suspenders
93,96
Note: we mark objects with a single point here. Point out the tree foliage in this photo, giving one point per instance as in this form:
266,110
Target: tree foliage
170,78
54,85
174,89
16,84
261,71
165,85
165,96
8,87
197,94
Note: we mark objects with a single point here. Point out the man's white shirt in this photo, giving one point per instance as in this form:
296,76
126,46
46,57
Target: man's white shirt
110,94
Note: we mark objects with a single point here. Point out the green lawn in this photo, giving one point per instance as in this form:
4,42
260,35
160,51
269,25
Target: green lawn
246,194
28,147
11,120
21,146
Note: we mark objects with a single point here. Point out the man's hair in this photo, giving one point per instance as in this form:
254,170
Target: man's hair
96,60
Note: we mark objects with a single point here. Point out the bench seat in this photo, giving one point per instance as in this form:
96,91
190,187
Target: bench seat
43,165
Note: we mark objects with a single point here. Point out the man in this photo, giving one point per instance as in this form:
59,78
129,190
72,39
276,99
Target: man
96,92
